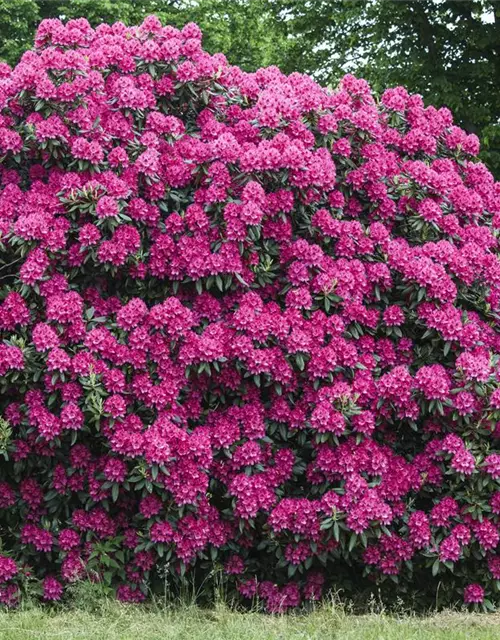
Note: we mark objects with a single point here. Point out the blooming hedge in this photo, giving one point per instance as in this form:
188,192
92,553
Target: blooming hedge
248,329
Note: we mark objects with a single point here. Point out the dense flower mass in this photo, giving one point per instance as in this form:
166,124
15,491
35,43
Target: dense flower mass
247,324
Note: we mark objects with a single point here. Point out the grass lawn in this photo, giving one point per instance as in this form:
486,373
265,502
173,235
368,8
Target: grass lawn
113,621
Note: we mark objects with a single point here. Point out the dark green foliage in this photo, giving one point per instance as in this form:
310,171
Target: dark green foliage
449,51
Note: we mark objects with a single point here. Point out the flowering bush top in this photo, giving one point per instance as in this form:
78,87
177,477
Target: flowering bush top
247,323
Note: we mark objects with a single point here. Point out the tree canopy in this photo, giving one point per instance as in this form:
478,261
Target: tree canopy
446,50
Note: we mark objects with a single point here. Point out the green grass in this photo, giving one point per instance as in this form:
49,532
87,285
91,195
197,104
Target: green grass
112,621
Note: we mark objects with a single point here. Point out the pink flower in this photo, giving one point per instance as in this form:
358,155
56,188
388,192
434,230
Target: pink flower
52,589
492,465
393,316
68,539
44,337
107,207
473,593
8,568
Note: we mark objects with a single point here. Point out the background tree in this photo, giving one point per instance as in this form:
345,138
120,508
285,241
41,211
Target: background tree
446,50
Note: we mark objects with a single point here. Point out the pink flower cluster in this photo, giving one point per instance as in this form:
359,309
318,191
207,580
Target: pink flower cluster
244,321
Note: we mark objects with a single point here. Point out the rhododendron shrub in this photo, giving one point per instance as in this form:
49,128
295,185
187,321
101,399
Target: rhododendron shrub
248,329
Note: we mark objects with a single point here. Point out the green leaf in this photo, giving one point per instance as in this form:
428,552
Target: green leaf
435,567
